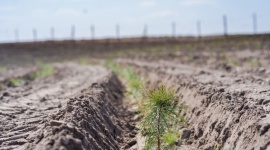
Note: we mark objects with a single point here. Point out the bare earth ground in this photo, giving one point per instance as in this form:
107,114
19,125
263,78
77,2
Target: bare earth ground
226,109
79,107
82,106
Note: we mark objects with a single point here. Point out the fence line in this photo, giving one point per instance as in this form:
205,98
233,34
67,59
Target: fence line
225,23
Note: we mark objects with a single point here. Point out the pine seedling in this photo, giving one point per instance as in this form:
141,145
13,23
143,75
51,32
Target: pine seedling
161,115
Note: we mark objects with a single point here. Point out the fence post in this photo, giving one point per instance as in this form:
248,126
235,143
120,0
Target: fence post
145,31
173,30
17,35
73,32
255,23
52,33
199,28
117,30
225,25
92,32
34,35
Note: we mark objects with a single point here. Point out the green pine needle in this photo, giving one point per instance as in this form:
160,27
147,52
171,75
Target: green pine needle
160,112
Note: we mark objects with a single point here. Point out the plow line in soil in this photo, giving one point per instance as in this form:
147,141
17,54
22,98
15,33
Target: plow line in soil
81,107
224,110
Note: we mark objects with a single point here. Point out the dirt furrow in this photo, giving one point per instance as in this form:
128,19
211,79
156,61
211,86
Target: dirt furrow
225,110
27,116
94,119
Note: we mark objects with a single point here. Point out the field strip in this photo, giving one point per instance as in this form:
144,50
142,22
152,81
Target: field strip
225,110
81,107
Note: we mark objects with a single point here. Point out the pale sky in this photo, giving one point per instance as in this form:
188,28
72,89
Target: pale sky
131,15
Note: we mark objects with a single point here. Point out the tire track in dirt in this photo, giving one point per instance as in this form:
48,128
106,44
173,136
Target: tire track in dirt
28,111
225,110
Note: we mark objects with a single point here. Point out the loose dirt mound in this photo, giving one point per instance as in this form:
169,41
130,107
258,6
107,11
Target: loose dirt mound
225,110
78,108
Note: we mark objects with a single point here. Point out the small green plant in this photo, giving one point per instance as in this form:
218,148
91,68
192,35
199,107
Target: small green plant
134,82
113,66
87,61
254,63
233,61
161,116
223,57
83,61
190,57
257,45
188,46
229,60
45,70
120,54
95,62
176,48
16,81
132,52
244,43
3,69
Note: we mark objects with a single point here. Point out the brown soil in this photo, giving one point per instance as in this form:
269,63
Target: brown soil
226,110
80,107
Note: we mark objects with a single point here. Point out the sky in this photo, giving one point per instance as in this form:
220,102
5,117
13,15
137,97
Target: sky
19,18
